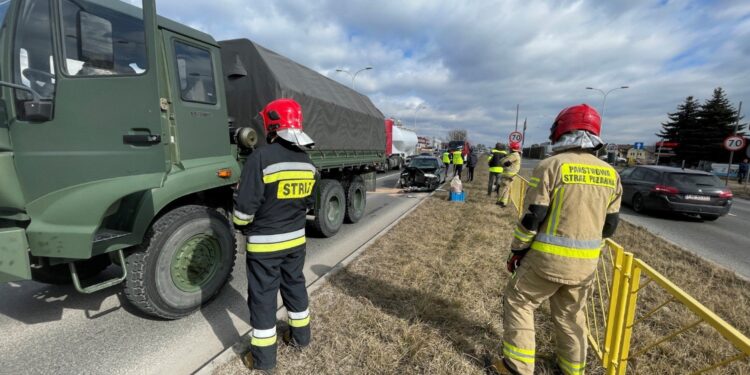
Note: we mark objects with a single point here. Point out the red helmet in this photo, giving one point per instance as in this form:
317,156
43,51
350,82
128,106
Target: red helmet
515,146
577,117
284,116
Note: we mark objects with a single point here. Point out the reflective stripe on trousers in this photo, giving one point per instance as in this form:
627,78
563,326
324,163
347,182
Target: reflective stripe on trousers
275,242
263,337
299,319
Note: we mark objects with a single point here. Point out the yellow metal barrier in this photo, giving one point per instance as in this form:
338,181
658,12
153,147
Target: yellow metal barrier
613,312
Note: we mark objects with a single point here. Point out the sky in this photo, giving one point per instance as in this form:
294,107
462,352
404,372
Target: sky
446,64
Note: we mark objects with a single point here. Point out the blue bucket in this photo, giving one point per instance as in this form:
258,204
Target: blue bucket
458,197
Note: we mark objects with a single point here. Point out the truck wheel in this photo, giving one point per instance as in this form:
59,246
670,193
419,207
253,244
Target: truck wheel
330,208
184,260
356,200
59,274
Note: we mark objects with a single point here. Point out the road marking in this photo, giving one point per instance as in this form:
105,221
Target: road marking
731,214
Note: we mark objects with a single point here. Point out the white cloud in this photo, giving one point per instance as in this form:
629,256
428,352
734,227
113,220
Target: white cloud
472,62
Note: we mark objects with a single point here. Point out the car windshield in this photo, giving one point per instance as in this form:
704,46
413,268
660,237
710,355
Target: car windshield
423,163
685,179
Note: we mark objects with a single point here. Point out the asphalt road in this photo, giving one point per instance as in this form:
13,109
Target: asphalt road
54,330
724,241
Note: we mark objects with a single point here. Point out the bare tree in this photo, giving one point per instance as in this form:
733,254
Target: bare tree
457,135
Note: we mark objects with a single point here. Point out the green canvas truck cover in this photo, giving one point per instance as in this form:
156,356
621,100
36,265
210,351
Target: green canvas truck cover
335,116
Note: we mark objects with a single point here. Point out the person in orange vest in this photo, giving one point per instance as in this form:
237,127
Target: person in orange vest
572,205
270,204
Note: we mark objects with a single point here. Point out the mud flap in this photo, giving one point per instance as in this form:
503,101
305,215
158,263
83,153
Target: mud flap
14,255
370,181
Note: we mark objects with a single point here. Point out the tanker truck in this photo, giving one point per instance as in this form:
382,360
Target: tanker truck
400,142
123,134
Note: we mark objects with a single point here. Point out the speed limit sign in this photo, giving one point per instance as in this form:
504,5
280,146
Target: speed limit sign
515,137
734,143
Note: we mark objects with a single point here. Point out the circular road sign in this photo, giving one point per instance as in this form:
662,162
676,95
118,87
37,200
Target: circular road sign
734,143
515,137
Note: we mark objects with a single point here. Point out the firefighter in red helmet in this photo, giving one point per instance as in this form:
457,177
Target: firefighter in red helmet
572,205
270,204
511,165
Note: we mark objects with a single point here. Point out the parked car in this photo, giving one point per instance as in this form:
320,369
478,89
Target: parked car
423,172
688,191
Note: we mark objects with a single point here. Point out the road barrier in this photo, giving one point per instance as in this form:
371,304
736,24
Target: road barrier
618,323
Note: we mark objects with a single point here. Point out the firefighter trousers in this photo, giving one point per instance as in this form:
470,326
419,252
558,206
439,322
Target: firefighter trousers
265,277
524,293
504,187
494,183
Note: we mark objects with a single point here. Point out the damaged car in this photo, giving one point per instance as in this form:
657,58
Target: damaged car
423,173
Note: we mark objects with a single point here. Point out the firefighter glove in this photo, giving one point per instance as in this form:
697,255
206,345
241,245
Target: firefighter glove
514,259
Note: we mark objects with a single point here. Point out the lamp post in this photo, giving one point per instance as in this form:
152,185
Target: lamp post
421,106
604,99
354,76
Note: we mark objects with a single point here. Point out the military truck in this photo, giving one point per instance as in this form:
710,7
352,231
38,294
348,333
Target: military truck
122,135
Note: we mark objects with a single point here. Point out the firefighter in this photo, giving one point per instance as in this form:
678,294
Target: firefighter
447,160
572,205
458,162
274,194
511,164
496,169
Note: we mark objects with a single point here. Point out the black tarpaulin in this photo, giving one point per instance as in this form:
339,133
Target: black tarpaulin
335,116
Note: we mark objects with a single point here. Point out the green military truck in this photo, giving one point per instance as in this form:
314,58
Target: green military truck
122,135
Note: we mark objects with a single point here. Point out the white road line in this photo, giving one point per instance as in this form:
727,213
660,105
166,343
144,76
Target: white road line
731,214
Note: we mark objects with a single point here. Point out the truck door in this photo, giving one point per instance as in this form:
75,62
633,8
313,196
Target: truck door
96,61
197,95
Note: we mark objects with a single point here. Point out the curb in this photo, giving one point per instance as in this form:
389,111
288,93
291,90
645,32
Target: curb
228,354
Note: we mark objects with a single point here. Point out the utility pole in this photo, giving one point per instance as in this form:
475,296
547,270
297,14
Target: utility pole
731,153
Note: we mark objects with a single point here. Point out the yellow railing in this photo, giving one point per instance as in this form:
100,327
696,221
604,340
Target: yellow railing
613,313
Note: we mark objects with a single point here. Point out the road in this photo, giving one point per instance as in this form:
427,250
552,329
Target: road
54,330
724,241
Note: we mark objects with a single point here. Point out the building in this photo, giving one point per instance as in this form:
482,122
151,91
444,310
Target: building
640,156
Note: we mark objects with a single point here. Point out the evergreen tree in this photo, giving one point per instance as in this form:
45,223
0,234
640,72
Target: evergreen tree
716,120
682,122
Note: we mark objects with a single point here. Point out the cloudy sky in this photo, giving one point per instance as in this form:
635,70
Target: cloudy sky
470,62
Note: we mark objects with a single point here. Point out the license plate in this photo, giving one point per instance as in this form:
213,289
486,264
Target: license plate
703,198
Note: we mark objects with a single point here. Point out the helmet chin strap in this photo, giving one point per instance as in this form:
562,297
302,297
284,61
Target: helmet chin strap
271,137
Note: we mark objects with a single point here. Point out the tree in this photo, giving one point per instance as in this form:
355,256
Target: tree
681,127
716,120
457,135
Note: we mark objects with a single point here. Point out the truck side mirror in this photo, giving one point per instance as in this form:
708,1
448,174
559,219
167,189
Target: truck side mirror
37,109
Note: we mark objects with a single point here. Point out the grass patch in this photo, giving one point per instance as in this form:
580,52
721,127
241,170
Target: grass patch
426,299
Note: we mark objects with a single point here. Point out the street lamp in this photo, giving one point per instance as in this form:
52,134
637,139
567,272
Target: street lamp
604,100
354,76
421,106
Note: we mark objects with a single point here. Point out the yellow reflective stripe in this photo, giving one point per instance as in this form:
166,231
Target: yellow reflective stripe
239,221
261,342
523,235
299,323
570,368
555,207
269,247
560,196
534,182
288,175
496,169
564,251
523,355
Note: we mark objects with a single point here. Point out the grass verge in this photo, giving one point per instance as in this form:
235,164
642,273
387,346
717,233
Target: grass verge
426,299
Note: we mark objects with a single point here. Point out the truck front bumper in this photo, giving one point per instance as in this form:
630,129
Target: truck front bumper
14,255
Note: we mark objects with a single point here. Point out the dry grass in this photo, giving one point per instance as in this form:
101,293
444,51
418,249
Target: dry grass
425,298
739,190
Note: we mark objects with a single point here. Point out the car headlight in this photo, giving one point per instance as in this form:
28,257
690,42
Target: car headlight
430,175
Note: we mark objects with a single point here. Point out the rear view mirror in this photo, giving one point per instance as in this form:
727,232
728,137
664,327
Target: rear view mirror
36,110
96,46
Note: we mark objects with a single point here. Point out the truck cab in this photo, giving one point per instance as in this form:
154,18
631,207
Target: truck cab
110,119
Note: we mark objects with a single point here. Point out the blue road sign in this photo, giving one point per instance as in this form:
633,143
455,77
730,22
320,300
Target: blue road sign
638,145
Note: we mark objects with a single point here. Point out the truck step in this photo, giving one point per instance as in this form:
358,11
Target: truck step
108,234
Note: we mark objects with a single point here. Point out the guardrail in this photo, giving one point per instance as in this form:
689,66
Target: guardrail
616,320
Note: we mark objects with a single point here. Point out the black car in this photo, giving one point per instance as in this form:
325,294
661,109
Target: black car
656,188
423,172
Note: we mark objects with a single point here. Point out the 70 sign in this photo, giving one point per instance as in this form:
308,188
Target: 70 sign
734,143
515,137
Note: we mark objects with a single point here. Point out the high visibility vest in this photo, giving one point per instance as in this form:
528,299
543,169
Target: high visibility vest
458,158
496,168
446,157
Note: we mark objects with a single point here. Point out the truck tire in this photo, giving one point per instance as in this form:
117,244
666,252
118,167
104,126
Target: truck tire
330,207
59,274
185,259
356,200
